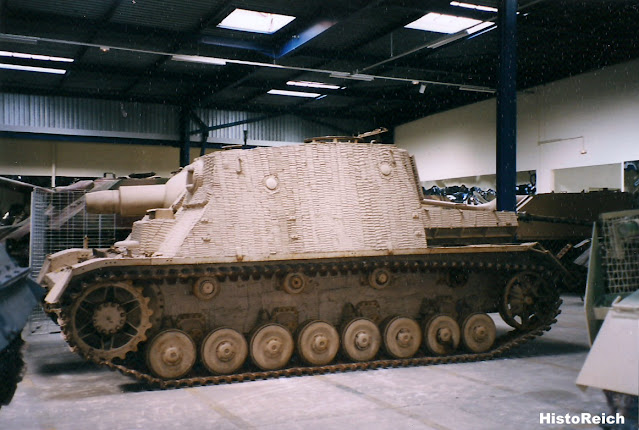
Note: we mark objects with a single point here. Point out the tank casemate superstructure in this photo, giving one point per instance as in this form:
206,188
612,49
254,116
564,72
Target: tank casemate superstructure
294,260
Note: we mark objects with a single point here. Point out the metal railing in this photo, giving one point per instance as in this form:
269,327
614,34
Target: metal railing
60,221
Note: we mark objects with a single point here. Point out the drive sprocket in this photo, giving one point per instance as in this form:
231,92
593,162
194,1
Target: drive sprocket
108,320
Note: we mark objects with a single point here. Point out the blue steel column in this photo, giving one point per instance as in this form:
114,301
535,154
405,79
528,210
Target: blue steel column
507,106
185,138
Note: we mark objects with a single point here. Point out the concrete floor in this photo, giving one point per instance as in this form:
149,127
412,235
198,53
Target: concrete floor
60,391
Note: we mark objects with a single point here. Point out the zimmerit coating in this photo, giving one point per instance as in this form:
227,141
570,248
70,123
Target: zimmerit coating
309,198
439,217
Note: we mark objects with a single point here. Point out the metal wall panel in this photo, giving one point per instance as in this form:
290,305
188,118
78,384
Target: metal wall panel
285,128
105,118
64,115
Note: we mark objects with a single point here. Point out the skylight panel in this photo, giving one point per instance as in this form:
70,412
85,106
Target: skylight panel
34,57
294,93
311,84
255,22
441,23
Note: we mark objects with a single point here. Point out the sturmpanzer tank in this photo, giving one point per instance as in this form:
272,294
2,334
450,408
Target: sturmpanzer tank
297,260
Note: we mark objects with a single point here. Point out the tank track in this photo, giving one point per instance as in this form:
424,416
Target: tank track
503,344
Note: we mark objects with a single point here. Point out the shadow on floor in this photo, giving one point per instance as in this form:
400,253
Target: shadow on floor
547,347
138,387
67,367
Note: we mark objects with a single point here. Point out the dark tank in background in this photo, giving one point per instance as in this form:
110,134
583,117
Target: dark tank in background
18,296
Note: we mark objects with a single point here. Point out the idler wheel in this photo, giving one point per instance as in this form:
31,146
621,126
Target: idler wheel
224,351
171,354
108,320
402,337
361,339
317,343
441,335
271,347
526,299
478,332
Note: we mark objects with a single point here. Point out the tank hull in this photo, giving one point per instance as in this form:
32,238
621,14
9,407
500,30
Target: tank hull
456,282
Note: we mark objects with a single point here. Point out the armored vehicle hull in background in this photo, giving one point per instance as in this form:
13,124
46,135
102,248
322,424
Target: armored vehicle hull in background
18,296
293,260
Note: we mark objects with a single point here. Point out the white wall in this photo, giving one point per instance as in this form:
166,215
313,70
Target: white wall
586,120
79,159
588,178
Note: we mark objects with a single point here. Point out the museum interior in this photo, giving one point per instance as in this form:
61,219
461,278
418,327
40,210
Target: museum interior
251,214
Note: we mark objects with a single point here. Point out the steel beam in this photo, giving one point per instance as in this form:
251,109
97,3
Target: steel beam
507,106
185,138
233,124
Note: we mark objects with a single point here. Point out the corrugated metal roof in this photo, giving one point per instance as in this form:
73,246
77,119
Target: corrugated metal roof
585,35
104,82
121,58
91,9
169,14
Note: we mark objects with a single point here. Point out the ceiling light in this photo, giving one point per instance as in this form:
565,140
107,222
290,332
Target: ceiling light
32,69
355,76
477,89
422,88
441,23
255,22
199,59
34,57
293,93
474,6
311,84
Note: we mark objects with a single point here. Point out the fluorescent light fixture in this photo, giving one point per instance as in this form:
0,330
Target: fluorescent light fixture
35,57
293,93
476,89
321,97
32,69
311,84
361,77
354,76
199,59
474,6
255,22
441,23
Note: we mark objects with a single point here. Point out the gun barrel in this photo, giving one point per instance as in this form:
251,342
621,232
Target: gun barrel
137,199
